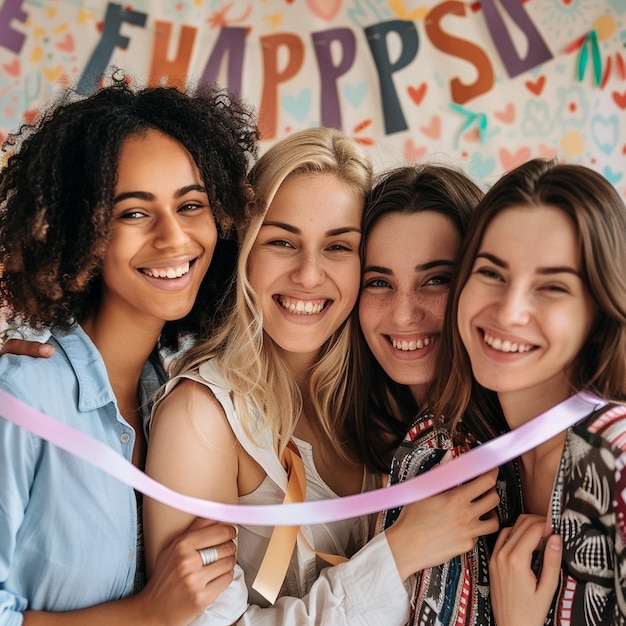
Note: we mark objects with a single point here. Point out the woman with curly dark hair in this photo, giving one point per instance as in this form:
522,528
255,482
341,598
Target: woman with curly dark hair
110,208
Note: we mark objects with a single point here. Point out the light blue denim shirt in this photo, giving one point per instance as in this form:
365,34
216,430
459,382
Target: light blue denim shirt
68,531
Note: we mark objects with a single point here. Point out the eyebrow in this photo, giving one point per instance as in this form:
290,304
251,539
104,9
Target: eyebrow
296,231
418,268
557,269
146,195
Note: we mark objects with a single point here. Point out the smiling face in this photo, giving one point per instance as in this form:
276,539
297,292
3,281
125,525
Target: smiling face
304,265
409,262
162,232
524,312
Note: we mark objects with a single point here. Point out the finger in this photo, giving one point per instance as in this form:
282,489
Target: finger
217,552
503,537
551,568
486,502
478,486
527,536
27,348
213,535
488,523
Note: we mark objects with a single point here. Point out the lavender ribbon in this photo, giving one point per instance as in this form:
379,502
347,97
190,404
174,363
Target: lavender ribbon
463,468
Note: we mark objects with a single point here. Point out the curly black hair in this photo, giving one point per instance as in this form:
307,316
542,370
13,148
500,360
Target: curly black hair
57,189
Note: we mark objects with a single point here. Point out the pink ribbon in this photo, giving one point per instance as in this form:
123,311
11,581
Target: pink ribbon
463,468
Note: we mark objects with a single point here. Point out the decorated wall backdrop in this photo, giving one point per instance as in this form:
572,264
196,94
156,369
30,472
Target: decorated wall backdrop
486,84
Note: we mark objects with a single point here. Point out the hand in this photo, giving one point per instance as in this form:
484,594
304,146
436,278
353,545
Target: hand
180,587
27,348
432,531
518,596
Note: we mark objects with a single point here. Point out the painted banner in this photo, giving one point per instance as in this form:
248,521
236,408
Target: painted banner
485,85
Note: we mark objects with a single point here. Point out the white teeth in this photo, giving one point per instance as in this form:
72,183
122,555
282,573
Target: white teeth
167,272
300,307
505,346
410,346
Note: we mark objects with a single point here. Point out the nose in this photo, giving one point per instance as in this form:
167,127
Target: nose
513,306
169,232
407,309
309,271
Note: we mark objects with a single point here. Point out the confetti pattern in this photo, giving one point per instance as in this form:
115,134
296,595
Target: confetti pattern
483,84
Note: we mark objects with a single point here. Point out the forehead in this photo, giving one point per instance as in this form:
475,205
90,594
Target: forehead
152,158
542,234
322,201
426,234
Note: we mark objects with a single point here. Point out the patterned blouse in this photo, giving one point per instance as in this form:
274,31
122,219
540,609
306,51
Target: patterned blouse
457,592
589,511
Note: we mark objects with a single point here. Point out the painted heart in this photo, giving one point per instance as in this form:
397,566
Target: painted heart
605,131
325,9
620,99
67,45
472,135
355,94
611,176
13,68
536,86
417,93
510,161
53,73
480,167
433,130
412,152
298,106
508,115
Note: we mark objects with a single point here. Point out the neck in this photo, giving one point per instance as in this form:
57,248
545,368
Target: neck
124,348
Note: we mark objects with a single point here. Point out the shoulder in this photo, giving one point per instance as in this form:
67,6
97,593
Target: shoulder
191,407
30,377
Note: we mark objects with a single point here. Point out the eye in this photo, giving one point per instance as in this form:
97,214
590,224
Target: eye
442,279
376,283
192,206
132,214
555,288
488,273
339,247
279,243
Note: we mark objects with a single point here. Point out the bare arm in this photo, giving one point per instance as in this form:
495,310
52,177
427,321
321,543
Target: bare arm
194,451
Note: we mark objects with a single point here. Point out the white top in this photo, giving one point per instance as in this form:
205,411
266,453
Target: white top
365,590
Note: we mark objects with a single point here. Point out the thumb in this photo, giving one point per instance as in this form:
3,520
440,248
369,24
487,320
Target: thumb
551,566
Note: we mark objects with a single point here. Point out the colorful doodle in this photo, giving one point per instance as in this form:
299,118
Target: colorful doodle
485,83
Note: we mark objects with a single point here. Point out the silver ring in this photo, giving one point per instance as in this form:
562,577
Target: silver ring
208,555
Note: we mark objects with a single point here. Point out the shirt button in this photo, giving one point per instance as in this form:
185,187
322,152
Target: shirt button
125,438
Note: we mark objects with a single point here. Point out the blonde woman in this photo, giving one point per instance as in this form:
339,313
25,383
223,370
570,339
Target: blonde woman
275,388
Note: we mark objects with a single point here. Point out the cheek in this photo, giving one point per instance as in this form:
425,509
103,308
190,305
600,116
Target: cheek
369,314
349,282
464,315
436,307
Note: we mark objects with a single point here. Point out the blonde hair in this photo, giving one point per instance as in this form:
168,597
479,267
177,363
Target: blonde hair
265,393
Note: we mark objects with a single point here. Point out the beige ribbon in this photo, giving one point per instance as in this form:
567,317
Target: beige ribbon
271,574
